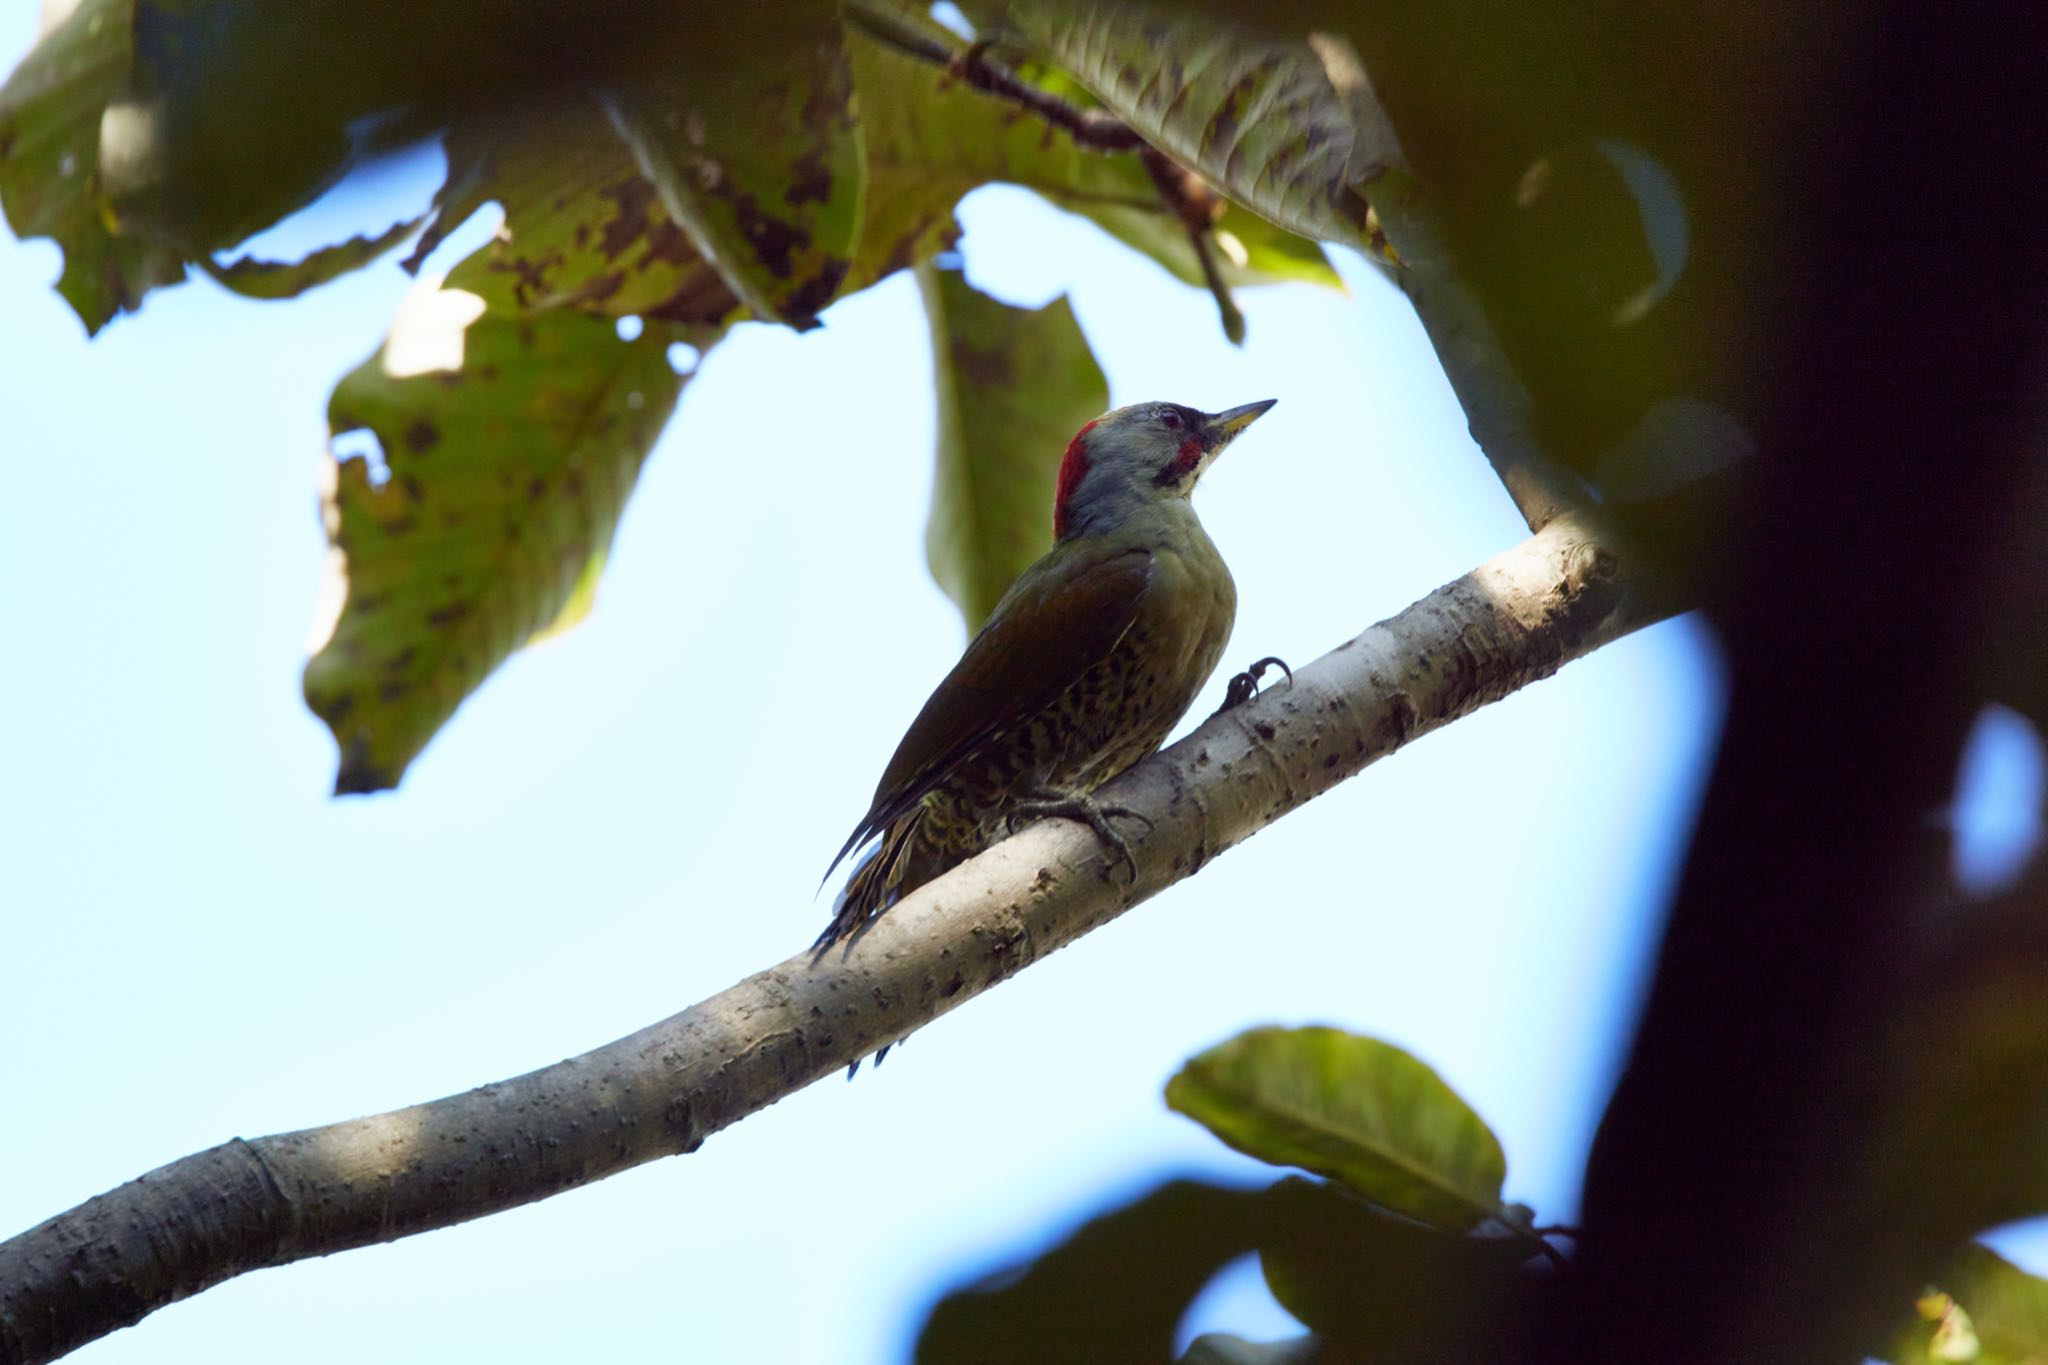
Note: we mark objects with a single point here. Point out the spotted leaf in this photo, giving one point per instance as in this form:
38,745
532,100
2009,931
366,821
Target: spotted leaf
509,446
755,150
583,229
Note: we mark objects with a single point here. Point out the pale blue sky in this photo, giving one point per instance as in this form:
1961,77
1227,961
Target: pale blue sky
200,943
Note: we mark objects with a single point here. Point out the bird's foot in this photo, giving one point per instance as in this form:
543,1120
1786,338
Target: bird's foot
1245,685
1081,808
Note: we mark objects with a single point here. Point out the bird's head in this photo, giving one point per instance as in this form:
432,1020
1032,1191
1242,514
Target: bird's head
1138,456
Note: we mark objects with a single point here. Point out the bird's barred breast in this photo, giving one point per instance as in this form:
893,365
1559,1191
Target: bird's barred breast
1119,710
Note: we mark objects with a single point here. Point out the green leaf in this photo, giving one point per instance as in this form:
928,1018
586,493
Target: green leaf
1986,1310
756,152
1358,1110
511,446
1288,129
583,229
1013,386
932,138
256,279
50,111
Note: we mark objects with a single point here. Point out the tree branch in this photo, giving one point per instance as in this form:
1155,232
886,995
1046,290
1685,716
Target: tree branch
249,1204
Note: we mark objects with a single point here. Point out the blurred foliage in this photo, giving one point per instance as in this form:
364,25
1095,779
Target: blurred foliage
1371,1281
1013,386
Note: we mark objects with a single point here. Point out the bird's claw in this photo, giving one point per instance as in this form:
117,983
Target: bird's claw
1245,685
1082,809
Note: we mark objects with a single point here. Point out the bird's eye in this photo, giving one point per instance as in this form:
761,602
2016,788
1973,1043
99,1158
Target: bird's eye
1169,419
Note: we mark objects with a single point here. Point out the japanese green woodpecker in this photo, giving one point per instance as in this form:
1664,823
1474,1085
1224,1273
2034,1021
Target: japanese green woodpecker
1079,672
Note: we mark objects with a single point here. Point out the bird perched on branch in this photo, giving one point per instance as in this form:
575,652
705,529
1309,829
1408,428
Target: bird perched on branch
1080,671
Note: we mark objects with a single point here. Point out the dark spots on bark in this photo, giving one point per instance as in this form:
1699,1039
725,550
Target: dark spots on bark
393,691
1264,730
401,661
336,708
536,488
422,436
401,526
954,985
367,603
1329,762
1401,719
453,614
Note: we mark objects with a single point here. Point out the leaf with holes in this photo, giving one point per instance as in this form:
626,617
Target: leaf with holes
1357,1110
1013,385
50,111
755,150
1288,129
583,229
510,446
259,279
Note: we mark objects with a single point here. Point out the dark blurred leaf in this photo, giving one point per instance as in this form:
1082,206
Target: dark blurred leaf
288,279
1113,1291
50,112
1013,386
1376,1286
1985,1309
1382,1288
755,150
510,447
1356,1109
1221,1348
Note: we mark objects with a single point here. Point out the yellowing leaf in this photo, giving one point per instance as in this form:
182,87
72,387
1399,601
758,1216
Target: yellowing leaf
509,448
755,150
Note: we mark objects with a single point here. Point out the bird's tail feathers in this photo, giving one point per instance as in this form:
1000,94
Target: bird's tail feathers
875,884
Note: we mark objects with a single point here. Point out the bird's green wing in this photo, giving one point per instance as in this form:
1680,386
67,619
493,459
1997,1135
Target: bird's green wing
1057,620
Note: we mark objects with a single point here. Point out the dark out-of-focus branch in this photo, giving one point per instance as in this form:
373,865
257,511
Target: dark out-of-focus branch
1728,1211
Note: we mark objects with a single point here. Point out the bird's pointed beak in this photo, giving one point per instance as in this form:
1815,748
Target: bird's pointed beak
1224,426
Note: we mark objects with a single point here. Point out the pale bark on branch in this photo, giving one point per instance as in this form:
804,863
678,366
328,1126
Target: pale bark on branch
248,1204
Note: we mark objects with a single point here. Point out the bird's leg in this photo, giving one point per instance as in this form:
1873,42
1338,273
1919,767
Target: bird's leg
1245,685
1071,803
